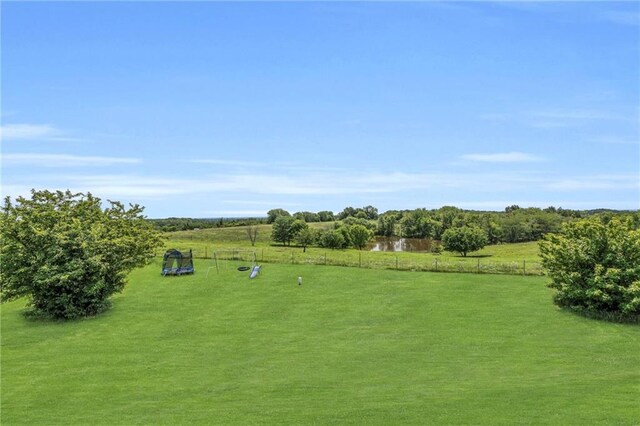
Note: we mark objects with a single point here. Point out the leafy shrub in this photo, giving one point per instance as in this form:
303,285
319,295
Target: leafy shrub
332,239
68,255
595,268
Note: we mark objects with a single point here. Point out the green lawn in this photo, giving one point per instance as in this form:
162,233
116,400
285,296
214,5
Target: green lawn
349,346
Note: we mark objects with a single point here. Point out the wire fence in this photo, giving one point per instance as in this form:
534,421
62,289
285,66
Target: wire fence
377,260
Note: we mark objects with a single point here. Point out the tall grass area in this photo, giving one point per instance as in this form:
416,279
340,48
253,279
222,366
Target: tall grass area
518,259
349,346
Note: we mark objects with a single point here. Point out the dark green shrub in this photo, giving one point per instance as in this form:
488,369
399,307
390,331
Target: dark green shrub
595,268
67,255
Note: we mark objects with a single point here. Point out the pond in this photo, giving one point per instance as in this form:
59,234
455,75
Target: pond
400,244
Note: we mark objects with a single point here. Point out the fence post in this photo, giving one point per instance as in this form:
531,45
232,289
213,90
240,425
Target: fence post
478,265
359,259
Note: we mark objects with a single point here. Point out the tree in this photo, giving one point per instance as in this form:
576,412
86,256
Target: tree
252,233
371,212
273,214
333,239
360,236
308,217
348,211
285,229
491,227
515,229
387,223
595,268
306,237
418,223
464,239
326,216
67,255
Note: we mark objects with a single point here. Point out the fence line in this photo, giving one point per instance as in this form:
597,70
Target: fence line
373,260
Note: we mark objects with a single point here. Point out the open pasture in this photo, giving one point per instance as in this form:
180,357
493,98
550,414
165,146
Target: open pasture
514,259
348,346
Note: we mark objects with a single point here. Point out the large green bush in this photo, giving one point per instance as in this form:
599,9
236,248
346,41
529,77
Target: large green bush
595,268
67,254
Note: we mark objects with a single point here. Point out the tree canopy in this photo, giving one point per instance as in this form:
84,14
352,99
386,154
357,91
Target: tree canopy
286,228
67,254
360,236
464,239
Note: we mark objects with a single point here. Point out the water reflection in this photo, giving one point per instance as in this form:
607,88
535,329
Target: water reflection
400,244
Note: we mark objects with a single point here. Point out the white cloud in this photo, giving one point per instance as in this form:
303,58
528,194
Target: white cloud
33,132
504,157
130,186
257,192
27,131
262,203
63,160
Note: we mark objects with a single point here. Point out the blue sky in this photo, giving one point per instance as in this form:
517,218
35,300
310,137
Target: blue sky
209,109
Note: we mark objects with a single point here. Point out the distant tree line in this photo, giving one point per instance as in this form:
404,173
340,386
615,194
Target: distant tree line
514,224
173,224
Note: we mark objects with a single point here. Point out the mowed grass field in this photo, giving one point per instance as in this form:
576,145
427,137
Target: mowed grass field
349,346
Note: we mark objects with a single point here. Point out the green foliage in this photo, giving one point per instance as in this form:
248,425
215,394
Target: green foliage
368,212
68,255
493,230
595,267
286,228
326,216
388,222
464,239
360,236
174,224
308,217
273,214
419,223
306,237
515,224
332,239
